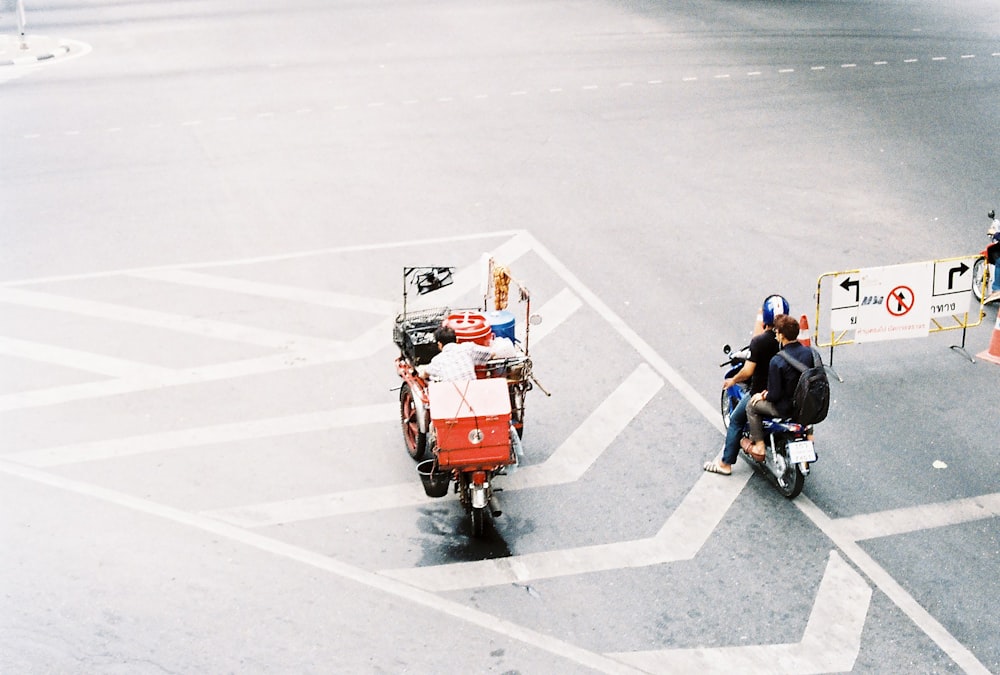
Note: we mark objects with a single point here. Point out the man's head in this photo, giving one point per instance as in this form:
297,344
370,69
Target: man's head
444,335
786,327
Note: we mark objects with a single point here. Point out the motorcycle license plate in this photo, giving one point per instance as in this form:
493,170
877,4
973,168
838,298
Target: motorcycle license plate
801,451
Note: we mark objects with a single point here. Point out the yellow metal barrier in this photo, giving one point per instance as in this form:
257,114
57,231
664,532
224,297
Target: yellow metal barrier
825,335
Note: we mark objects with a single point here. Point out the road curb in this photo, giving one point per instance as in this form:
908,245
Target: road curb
29,49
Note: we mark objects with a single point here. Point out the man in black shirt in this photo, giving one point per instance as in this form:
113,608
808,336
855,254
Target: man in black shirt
763,346
782,376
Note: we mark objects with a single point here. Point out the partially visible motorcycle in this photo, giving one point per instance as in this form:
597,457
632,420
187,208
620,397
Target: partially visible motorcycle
789,446
982,270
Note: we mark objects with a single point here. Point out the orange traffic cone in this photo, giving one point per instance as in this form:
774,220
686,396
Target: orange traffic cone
804,330
993,353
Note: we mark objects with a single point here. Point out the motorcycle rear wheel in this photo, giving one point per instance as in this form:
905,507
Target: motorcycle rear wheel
791,481
477,521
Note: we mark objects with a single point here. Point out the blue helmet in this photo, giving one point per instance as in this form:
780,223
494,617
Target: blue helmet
773,306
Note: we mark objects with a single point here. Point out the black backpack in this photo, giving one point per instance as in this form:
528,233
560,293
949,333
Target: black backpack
811,400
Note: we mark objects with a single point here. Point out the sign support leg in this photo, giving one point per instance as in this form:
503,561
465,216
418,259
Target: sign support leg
961,348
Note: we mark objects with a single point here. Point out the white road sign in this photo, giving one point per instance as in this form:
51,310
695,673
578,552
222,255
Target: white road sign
895,302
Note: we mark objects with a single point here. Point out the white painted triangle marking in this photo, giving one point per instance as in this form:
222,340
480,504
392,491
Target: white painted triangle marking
80,360
221,433
831,641
570,461
299,355
208,328
680,538
919,517
265,290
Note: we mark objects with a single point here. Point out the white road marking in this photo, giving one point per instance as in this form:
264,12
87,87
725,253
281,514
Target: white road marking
556,311
680,538
368,343
831,641
81,360
490,622
920,616
574,457
194,437
709,412
917,518
265,290
208,328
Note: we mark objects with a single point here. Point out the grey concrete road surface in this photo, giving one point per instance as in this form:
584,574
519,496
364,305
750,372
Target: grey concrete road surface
207,207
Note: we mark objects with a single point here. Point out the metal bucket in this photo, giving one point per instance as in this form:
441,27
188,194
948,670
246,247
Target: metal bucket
435,482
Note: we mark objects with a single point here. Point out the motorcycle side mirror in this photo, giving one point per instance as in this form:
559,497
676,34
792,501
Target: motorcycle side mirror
727,350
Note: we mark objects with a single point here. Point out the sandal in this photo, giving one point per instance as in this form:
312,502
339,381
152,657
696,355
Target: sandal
713,467
749,447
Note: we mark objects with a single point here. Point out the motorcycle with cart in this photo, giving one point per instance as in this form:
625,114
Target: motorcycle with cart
465,433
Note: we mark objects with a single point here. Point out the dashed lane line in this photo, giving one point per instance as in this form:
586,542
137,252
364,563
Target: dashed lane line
520,92
831,641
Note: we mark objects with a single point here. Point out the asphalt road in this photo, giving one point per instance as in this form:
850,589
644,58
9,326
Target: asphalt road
206,211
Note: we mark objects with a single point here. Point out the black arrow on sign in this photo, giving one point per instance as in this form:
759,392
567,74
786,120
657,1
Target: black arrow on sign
961,269
846,285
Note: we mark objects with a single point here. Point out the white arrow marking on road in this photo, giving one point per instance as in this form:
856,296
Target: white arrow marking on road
567,464
831,641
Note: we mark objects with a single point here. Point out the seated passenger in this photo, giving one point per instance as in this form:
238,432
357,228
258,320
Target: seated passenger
455,361
782,376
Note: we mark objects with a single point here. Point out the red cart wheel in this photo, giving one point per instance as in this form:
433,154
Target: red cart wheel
416,440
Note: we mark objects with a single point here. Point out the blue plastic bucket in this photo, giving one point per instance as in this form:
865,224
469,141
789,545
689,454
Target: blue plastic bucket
502,323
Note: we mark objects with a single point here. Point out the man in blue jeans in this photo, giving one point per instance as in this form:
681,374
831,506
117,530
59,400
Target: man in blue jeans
763,347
